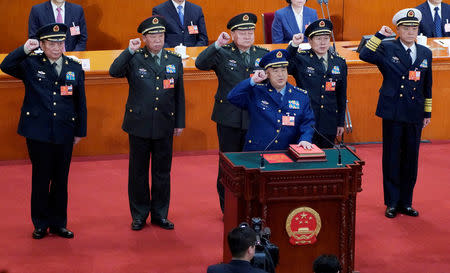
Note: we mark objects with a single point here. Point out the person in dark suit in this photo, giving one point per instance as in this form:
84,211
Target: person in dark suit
154,113
241,241
323,73
60,11
432,25
326,264
232,63
291,20
185,23
278,111
404,105
53,119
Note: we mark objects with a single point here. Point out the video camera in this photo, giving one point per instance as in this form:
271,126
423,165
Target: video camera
266,254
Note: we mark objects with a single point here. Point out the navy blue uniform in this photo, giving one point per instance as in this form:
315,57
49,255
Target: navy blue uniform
50,122
328,106
155,106
234,266
266,110
403,104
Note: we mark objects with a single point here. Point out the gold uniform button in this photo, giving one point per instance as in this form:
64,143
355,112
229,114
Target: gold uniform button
54,114
402,86
131,110
28,113
157,88
221,101
249,141
278,131
276,141
278,120
54,93
412,98
246,69
279,111
54,103
156,108
401,95
56,83
309,75
171,113
324,76
414,89
323,86
321,106
157,98
157,77
73,119
40,79
142,76
322,97
232,68
403,77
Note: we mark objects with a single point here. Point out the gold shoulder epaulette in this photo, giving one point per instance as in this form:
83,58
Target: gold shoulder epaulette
301,90
301,51
173,53
226,46
339,56
261,47
73,60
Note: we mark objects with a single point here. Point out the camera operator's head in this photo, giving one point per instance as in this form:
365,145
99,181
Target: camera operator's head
326,264
241,241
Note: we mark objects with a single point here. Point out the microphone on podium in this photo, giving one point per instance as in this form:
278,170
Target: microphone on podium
262,163
339,161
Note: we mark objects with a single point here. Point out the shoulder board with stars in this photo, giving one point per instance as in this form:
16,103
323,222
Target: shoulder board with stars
261,84
173,53
263,48
301,51
301,90
35,54
339,56
226,46
72,60
139,50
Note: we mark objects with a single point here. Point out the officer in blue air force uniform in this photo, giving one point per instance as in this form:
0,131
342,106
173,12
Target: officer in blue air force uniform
53,119
324,74
154,113
404,105
276,108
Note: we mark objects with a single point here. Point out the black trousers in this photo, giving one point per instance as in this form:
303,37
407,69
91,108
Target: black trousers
160,151
50,170
230,140
321,142
400,160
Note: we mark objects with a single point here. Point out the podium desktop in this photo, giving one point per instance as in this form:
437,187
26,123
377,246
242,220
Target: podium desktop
282,193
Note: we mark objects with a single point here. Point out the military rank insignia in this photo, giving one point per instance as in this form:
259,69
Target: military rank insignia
70,76
424,64
294,104
171,69
303,226
169,83
336,70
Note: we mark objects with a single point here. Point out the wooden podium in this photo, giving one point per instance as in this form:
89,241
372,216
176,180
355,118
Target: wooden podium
276,191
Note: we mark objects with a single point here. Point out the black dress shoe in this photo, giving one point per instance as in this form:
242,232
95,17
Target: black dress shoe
408,211
164,223
39,233
62,232
390,212
137,224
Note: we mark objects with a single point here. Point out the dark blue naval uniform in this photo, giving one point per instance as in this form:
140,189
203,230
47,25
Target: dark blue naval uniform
266,110
49,121
403,104
327,102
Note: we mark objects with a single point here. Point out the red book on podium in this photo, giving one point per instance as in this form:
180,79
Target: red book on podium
301,154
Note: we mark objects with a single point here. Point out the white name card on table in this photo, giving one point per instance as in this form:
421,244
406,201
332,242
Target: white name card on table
443,42
86,64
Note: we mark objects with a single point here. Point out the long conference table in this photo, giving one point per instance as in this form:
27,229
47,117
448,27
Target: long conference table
106,98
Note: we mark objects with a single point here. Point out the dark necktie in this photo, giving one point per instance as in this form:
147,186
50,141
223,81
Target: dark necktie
322,60
54,67
408,52
246,57
437,22
156,59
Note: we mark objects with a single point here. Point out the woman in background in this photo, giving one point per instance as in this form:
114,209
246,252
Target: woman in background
291,20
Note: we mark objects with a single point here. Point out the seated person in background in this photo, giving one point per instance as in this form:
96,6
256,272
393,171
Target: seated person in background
326,264
60,11
277,109
432,25
241,241
185,23
291,20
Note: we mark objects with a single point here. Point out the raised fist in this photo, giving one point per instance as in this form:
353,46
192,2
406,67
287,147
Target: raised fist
259,76
135,44
297,39
386,31
224,38
31,44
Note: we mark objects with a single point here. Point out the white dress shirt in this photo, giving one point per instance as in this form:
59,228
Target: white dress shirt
299,19
413,51
55,12
433,11
176,5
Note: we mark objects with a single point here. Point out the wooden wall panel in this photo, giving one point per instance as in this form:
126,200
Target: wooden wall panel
367,17
111,23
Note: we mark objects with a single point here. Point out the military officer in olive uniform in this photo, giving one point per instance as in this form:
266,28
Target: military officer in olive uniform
53,119
278,111
154,113
232,62
404,104
324,74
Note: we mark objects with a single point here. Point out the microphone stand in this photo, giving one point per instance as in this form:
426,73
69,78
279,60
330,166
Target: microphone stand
320,2
329,18
339,163
262,163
